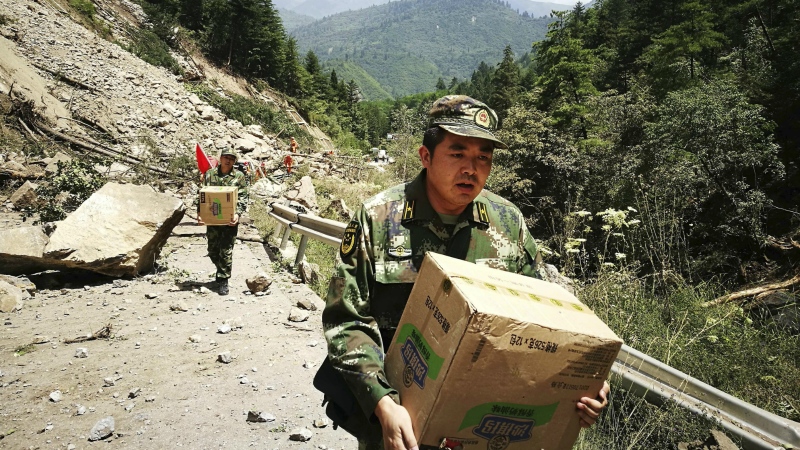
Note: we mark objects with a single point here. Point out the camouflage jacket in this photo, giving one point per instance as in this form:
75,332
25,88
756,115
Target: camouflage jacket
214,177
381,252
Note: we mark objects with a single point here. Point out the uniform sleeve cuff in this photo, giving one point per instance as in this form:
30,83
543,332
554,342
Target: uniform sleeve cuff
377,391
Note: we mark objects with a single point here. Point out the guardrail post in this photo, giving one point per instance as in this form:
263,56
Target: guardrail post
301,250
285,239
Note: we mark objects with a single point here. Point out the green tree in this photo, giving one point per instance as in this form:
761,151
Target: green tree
676,54
716,150
566,76
505,83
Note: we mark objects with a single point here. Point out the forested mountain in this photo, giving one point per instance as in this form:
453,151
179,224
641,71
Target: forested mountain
408,45
292,19
322,8
346,70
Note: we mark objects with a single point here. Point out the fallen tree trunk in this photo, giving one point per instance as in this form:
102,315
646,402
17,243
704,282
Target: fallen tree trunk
17,175
97,148
741,295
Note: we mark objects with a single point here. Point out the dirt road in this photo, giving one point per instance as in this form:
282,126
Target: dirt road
162,389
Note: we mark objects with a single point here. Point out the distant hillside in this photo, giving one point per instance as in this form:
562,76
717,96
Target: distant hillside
346,71
321,8
537,9
292,20
408,45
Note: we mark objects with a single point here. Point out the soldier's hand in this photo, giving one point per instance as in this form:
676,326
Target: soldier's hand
398,433
589,409
200,221
234,220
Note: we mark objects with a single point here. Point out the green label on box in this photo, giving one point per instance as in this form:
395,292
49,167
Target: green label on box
216,208
539,415
415,344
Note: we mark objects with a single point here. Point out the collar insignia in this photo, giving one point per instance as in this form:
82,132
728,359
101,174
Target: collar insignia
483,214
408,210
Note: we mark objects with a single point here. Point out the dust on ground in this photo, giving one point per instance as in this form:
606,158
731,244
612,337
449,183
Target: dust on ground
186,397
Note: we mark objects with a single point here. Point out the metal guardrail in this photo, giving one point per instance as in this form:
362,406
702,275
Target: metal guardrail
659,383
633,370
308,225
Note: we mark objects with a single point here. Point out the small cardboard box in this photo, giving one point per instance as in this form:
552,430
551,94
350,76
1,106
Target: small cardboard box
495,360
218,204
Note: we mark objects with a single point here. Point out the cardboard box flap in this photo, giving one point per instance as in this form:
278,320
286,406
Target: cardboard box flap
526,299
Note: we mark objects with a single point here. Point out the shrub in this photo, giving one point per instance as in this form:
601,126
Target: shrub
83,7
151,49
74,182
249,111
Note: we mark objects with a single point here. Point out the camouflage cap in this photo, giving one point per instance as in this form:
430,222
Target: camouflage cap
465,116
229,152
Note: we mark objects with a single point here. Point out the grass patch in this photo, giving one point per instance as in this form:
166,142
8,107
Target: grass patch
24,350
251,112
151,49
721,346
88,14
83,7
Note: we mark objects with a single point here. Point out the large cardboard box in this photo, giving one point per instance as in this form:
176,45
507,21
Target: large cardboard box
218,204
494,360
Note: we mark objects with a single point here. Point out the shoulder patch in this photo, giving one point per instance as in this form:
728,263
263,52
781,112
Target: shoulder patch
350,239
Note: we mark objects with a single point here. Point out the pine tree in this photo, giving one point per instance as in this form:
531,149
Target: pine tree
505,83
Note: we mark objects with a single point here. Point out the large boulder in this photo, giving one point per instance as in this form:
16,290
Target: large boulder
118,231
21,250
265,188
303,192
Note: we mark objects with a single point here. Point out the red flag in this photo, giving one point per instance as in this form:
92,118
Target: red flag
203,164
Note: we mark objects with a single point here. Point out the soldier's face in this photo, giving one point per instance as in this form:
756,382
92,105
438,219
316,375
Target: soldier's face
457,171
226,163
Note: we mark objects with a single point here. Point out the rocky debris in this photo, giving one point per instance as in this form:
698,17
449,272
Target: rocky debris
134,392
80,410
307,303
301,435
550,273
179,306
266,188
10,297
309,273
338,210
303,193
298,315
102,429
23,283
321,422
195,338
22,249
259,283
236,323
259,417
129,226
81,352
717,441
52,163
24,196
224,329
225,357
55,396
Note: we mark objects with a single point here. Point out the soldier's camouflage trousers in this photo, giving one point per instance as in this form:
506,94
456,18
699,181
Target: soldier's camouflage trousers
220,248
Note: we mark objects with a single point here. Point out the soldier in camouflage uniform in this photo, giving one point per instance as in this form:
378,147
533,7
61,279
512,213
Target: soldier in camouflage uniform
221,239
444,210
